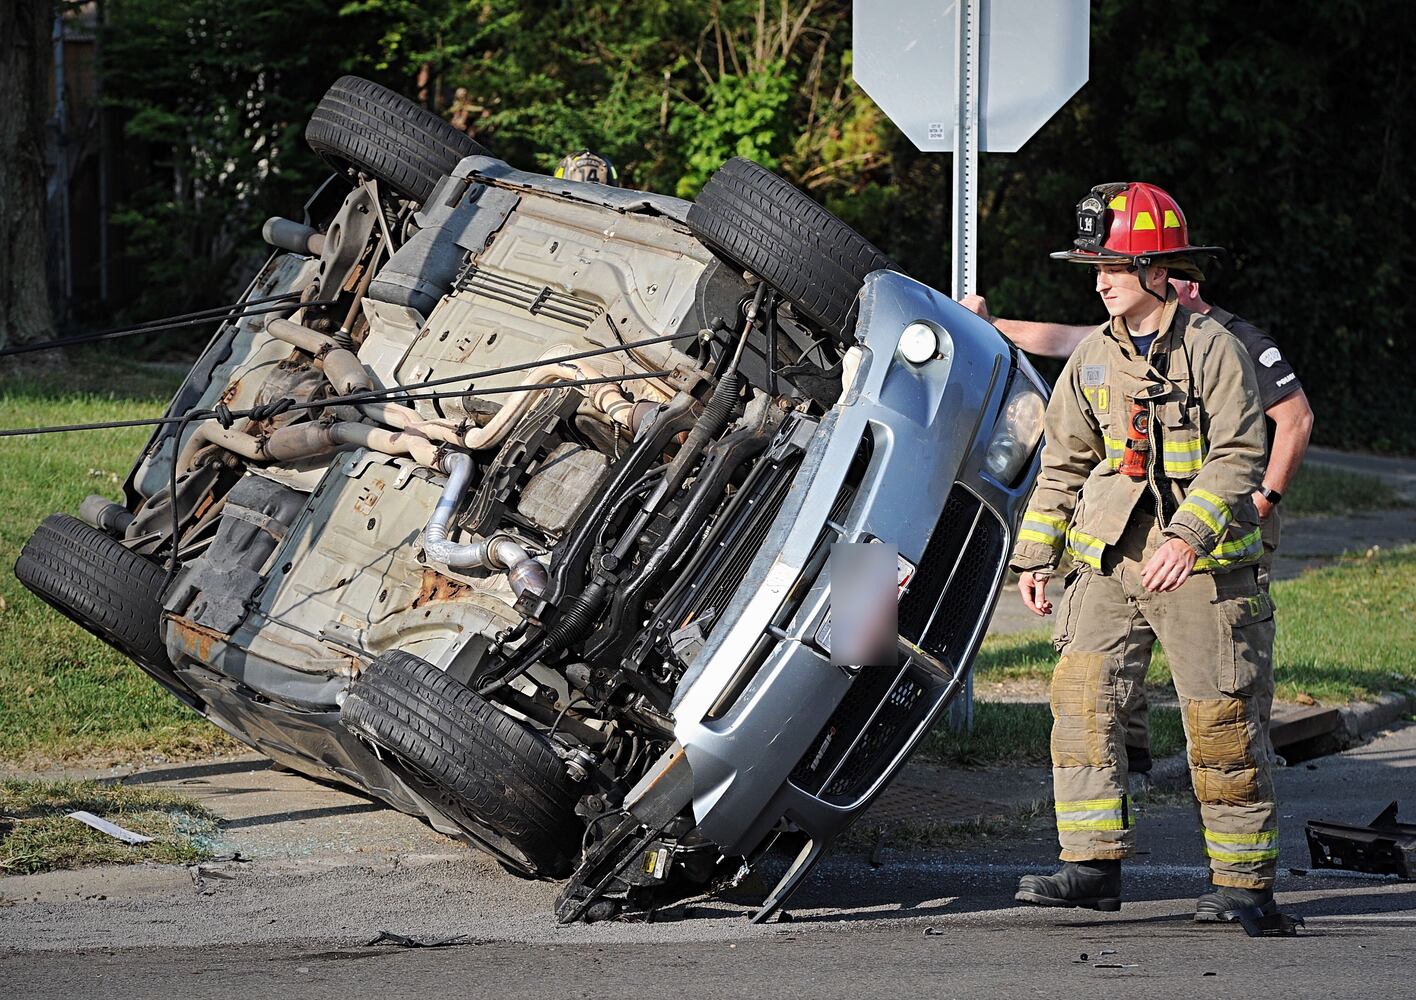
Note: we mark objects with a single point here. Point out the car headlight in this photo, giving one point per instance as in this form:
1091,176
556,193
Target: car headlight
1017,432
918,343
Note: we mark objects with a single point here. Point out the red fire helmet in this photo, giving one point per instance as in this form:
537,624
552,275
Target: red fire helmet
1135,223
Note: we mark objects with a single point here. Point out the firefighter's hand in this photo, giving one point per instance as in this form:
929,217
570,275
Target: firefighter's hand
1264,507
1033,587
977,304
1169,567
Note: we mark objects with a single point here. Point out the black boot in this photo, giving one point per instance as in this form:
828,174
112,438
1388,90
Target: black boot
1093,885
1225,902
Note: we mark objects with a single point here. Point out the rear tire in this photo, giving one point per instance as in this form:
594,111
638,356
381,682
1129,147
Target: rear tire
362,127
499,780
763,224
111,591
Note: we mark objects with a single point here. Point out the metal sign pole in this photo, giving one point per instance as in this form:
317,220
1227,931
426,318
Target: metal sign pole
966,27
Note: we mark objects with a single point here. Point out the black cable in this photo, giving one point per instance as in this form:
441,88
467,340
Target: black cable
382,395
392,394
240,310
561,716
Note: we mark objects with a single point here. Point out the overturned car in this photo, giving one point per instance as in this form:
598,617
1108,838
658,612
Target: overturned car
509,500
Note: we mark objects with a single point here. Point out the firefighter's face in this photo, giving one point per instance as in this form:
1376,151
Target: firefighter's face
1120,289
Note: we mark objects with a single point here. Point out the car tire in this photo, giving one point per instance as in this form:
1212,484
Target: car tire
113,592
498,780
763,224
361,126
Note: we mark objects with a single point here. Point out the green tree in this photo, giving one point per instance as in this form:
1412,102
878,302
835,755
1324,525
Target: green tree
216,95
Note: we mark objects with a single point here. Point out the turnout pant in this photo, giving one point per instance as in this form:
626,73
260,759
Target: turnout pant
1138,712
1217,632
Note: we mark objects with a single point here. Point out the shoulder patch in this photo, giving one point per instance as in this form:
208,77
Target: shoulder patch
1093,375
1270,357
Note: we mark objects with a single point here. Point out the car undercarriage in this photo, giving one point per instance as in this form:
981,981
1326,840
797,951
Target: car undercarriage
516,511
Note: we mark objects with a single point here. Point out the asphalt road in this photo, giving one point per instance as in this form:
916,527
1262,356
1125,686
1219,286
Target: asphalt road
940,923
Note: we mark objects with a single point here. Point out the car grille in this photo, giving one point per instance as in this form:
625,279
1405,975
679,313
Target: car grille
955,578
941,613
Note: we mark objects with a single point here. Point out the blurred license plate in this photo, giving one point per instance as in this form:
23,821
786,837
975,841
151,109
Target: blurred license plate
904,573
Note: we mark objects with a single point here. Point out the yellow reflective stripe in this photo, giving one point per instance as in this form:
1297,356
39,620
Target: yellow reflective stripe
1085,804
1195,446
1046,529
1207,507
1238,552
1196,510
1252,542
1085,548
1115,450
1181,457
1266,837
1175,467
1075,537
1060,523
1219,507
1091,814
1230,856
1243,848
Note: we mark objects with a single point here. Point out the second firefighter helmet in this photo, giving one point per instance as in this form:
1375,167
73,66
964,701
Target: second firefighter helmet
1138,224
588,166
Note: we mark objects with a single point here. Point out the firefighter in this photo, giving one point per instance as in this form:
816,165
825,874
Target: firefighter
1287,413
1288,416
1154,447
588,166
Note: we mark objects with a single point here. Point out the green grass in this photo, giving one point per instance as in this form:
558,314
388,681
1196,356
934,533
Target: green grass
1008,732
1346,631
37,836
1322,489
63,693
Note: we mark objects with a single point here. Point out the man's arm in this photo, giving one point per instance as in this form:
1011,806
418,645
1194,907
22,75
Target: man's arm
1293,424
1072,447
1049,340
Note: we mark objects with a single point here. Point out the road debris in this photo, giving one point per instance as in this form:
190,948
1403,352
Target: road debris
882,836
112,829
1386,847
1256,923
404,941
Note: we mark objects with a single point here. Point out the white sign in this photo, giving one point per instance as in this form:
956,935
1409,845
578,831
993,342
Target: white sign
1031,58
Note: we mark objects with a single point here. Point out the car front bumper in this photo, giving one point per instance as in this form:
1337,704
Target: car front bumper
771,729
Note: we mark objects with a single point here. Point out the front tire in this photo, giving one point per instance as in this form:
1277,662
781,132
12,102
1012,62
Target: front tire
497,779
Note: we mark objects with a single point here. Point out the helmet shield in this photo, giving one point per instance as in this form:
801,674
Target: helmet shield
589,167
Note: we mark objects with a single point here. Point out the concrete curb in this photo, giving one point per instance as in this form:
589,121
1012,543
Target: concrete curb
1360,719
